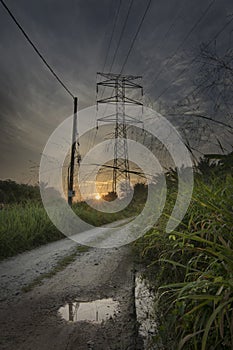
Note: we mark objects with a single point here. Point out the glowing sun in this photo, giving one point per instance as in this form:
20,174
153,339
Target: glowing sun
98,197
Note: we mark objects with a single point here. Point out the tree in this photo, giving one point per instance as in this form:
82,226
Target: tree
12,192
110,196
205,113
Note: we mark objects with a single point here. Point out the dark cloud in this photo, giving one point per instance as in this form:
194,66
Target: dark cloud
73,35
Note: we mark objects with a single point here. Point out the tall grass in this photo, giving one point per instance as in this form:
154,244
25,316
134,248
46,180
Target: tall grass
99,217
24,227
194,269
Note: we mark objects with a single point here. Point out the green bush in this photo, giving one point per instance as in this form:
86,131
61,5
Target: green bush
192,268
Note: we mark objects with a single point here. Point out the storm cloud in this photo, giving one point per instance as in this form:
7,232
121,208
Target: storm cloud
73,36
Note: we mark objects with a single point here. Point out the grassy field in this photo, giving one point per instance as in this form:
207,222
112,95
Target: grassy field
25,226
191,268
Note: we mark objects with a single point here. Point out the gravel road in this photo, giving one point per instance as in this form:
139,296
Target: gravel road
19,271
31,321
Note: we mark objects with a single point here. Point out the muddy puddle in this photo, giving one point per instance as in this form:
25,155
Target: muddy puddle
95,311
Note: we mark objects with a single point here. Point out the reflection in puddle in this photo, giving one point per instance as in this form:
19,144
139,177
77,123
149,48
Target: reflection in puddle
93,311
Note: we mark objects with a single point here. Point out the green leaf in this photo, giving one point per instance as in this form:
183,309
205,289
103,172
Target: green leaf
211,320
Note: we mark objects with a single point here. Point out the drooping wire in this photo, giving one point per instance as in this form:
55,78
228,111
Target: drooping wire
117,48
109,45
133,41
135,36
162,40
193,60
121,35
36,49
112,34
186,37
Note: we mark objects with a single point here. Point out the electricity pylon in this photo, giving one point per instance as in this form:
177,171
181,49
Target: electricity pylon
121,84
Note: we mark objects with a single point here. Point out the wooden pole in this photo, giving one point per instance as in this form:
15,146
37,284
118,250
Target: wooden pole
71,191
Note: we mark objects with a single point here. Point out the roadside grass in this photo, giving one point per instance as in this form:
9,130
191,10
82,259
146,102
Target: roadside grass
60,266
192,268
26,226
98,217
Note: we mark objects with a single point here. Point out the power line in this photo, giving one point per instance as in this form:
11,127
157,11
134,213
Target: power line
135,36
110,42
121,35
118,45
36,49
186,37
193,60
172,23
112,34
133,41
207,118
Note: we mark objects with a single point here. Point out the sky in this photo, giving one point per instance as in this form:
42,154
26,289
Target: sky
74,37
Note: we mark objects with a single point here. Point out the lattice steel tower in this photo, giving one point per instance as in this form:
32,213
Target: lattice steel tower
121,84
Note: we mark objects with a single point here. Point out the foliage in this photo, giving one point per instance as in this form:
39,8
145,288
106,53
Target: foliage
100,217
110,196
26,225
192,267
12,192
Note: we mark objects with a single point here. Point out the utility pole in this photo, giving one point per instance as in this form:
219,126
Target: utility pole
71,192
120,84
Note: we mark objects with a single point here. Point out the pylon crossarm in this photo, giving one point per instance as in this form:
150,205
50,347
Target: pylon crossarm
130,119
132,101
119,76
108,83
112,99
131,85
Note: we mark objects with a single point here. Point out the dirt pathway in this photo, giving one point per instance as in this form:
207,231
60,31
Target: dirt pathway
30,321
19,271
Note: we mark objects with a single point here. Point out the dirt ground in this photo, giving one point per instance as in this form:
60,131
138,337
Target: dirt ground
30,321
